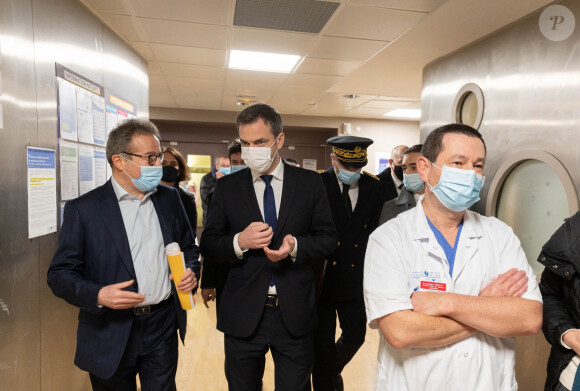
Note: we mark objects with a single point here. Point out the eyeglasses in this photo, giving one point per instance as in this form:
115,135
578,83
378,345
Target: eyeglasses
151,159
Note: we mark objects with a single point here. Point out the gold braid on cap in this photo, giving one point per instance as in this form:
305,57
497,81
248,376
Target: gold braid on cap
358,155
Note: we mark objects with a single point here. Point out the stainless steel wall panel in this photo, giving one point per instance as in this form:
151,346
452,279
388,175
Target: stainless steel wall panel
19,275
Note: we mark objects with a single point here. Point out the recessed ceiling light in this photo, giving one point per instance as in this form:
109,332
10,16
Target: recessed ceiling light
404,113
260,61
351,96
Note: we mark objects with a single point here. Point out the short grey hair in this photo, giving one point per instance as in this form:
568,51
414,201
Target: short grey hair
121,138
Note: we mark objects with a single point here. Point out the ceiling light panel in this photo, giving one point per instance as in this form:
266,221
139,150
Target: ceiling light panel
259,61
306,16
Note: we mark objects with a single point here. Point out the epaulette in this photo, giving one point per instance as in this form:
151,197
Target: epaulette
320,171
371,175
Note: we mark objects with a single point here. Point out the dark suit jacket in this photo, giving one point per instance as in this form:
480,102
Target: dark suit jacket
389,189
93,252
188,201
304,213
343,278
392,208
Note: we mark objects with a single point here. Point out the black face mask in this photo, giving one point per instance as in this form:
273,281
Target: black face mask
170,174
399,172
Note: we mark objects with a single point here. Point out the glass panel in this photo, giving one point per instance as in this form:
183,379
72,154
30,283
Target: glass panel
469,108
532,200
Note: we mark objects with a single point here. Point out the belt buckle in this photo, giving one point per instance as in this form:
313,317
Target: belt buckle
275,302
142,310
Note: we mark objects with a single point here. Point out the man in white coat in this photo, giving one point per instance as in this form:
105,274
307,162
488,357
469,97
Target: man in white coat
449,289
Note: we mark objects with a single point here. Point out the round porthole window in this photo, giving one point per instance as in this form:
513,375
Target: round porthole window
468,106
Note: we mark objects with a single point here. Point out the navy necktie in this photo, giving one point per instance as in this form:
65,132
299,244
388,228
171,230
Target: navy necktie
576,384
269,208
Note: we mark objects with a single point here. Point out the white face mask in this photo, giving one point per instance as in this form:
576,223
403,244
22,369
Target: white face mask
258,158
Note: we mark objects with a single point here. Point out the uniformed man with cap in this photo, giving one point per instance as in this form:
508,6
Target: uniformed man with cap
355,202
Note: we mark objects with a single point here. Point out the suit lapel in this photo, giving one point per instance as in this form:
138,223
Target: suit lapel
288,190
249,195
336,201
110,212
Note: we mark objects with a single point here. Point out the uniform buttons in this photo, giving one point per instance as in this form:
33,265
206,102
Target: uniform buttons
555,266
352,265
566,273
334,263
365,225
465,354
356,245
339,243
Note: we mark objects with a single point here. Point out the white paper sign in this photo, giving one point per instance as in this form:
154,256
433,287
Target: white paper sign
69,170
41,183
86,169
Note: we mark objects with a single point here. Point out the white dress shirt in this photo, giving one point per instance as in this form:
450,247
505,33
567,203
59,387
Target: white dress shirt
277,184
146,244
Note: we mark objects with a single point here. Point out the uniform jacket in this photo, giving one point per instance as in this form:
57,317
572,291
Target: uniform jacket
93,252
304,213
560,287
343,277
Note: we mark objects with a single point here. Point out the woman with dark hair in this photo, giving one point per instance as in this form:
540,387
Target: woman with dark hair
175,170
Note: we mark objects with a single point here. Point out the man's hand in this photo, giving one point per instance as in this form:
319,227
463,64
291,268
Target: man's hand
219,174
284,250
113,296
256,235
207,294
430,303
188,281
514,282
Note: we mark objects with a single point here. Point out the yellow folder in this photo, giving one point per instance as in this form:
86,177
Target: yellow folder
177,266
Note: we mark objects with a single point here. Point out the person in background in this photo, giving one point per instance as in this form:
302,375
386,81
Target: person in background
214,275
413,186
272,224
449,289
111,263
175,170
392,177
207,184
355,203
292,162
560,287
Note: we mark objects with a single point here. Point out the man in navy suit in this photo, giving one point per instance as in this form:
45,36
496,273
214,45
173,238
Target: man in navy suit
110,262
272,223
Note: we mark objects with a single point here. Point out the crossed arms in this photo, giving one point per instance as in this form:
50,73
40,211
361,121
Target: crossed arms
441,318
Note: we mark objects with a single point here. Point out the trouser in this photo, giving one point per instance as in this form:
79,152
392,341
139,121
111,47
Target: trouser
293,356
331,356
151,352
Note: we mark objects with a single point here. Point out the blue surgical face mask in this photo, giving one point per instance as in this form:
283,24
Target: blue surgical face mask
458,189
149,178
348,177
238,167
225,170
413,182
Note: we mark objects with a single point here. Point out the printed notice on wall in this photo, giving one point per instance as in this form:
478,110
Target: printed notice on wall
67,106
86,169
42,205
100,166
69,170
